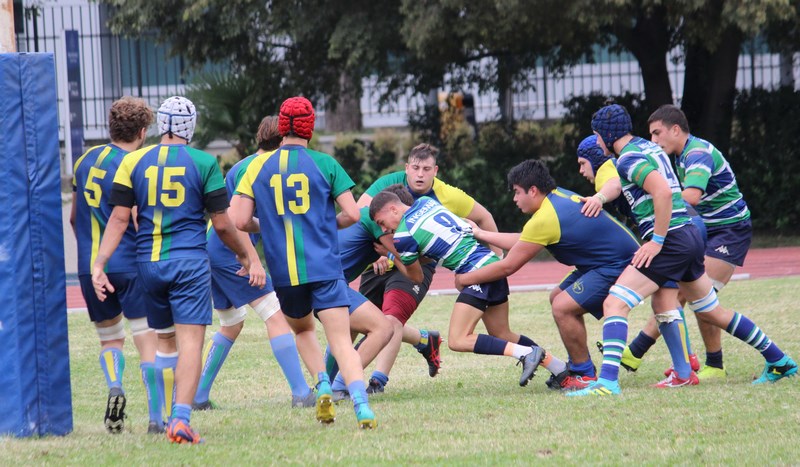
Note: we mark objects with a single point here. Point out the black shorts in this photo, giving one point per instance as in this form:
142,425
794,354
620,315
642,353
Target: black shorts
482,296
681,258
373,286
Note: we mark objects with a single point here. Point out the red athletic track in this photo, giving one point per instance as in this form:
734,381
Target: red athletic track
760,263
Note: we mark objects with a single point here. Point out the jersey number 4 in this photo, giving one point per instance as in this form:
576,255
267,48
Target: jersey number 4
173,193
299,182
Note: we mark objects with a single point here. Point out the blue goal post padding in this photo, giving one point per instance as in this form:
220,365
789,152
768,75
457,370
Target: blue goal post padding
35,394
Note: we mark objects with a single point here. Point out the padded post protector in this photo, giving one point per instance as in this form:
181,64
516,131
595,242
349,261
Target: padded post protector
35,395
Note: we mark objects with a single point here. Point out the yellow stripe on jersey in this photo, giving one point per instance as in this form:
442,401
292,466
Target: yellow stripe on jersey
123,175
245,186
95,237
155,254
102,156
291,255
284,161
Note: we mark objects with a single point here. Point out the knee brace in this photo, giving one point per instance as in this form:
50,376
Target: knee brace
139,326
628,296
268,306
110,333
668,316
168,330
718,285
707,303
232,316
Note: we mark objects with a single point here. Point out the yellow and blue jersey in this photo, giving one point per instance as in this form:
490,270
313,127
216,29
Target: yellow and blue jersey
452,198
356,245
294,189
172,186
92,181
575,239
606,172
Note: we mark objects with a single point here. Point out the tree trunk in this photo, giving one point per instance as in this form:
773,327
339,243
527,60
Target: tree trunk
649,41
709,88
345,114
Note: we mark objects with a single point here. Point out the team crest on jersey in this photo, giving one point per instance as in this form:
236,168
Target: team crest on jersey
577,287
476,288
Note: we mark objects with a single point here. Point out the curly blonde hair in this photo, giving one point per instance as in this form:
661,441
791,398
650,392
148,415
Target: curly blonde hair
127,117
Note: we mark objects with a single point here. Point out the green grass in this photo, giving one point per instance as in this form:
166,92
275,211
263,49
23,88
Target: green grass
474,412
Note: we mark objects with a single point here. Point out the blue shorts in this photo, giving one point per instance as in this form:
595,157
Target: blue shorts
231,290
680,259
299,300
178,291
730,242
356,300
701,226
128,297
589,289
482,296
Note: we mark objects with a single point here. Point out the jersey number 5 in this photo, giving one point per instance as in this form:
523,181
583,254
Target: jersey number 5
92,191
299,182
173,193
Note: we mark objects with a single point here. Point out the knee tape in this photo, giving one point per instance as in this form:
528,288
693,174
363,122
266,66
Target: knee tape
628,296
168,330
268,306
668,316
139,326
718,285
232,316
707,303
113,332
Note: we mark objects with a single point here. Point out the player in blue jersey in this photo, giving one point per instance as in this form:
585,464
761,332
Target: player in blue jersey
230,293
295,190
709,185
599,247
173,186
359,246
673,250
601,170
427,231
128,120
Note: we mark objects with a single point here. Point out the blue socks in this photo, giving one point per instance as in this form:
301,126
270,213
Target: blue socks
358,393
584,369
615,334
213,357
745,330
165,379
674,336
112,362
151,391
489,345
641,344
285,350
182,412
423,340
526,341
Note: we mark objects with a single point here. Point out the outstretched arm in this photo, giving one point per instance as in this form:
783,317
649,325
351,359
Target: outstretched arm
518,255
350,212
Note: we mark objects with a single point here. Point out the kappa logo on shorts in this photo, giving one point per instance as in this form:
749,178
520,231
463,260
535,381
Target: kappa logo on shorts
722,249
415,289
577,287
476,288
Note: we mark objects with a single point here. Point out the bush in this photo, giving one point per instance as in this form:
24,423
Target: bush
765,156
367,159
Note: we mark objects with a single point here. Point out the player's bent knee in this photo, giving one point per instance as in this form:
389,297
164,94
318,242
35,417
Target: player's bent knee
708,303
139,326
111,333
232,316
268,306
667,317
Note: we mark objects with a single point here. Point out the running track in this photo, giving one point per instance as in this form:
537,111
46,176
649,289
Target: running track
760,263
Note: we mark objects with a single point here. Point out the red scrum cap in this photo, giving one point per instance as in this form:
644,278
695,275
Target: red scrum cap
296,118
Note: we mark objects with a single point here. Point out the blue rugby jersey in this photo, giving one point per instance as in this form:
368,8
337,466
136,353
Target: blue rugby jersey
356,245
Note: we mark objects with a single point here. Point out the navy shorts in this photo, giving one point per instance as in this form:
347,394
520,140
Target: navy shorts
589,289
178,291
482,296
680,259
231,290
356,300
373,286
299,300
730,242
128,297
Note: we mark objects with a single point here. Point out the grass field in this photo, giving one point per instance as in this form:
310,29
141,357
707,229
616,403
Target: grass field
474,412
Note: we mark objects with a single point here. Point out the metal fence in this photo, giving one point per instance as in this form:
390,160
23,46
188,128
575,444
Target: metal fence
112,66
